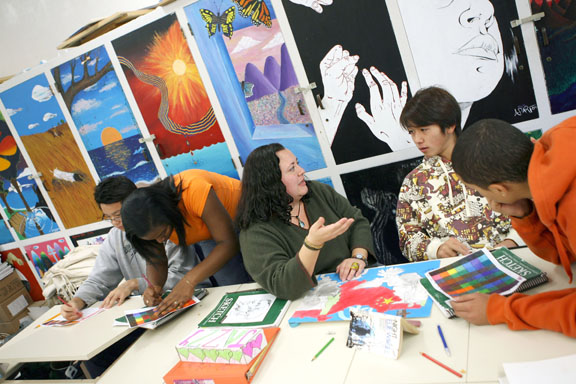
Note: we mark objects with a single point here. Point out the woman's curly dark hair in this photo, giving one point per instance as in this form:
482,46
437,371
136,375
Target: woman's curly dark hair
147,208
263,193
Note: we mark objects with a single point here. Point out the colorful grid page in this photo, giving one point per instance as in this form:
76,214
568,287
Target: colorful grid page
478,272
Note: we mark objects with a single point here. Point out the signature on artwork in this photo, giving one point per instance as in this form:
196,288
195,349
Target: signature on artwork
525,109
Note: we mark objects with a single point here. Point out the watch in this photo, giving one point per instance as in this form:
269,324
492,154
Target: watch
360,256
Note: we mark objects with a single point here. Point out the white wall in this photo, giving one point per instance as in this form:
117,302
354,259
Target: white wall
30,30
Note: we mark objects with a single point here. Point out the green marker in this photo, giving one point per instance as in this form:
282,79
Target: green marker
323,348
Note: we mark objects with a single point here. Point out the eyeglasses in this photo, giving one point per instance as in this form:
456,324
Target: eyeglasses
112,219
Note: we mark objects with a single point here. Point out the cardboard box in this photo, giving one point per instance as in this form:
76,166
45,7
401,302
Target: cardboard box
12,326
14,305
10,285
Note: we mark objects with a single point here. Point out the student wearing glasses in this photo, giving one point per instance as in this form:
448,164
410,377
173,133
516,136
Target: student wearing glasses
117,259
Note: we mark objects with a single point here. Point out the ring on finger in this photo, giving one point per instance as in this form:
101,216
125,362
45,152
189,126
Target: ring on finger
355,266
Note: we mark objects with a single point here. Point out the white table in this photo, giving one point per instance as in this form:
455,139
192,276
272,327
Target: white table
154,353
479,351
78,342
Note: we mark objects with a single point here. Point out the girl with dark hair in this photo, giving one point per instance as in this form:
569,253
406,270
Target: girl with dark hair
191,207
292,229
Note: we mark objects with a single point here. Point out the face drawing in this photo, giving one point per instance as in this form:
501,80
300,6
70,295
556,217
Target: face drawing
455,44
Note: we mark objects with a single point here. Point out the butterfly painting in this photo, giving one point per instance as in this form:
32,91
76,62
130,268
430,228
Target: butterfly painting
219,22
257,10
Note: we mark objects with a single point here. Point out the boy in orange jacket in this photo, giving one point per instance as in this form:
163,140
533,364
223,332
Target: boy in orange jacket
535,184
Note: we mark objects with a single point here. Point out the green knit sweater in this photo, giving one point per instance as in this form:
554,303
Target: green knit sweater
270,249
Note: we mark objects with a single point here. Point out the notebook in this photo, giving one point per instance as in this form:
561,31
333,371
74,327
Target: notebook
215,373
254,308
497,271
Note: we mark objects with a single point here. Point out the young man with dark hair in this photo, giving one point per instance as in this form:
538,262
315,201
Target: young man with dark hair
534,183
117,259
437,216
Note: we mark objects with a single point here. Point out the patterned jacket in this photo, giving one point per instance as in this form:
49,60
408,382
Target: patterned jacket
435,205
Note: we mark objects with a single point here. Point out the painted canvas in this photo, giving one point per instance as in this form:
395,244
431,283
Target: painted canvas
470,49
5,235
394,290
92,94
167,86
349,50
45,254
20,197
50,144
375,192
253,76
18,261
555,33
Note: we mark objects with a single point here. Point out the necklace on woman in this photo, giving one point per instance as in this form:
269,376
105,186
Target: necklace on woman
297,216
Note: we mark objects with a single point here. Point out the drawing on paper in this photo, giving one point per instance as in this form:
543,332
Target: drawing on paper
249,309
393,290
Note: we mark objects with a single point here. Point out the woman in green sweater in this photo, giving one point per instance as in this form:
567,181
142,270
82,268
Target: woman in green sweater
292,229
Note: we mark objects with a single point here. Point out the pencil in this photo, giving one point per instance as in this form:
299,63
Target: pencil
442,365
443,340
147,281
68,304
323,348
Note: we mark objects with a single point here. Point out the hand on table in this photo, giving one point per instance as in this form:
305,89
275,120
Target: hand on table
72,310
118,295
152,296
452,247
472,308
346,270
181,293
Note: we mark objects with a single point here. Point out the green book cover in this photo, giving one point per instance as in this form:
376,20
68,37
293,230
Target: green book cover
499,271
253,308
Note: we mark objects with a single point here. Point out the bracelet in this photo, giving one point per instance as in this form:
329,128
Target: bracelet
312,247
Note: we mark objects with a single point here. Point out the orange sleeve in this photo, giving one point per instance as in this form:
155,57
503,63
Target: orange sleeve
554,310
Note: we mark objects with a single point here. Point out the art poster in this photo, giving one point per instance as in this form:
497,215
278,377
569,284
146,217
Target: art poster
470,49
5,235
15,258
375,192
171,96
102,115
44,255
555,33
349,50
395,290
253,76
50,144
20,197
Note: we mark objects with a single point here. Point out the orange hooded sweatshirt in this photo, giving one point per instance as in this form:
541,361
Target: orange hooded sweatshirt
550,232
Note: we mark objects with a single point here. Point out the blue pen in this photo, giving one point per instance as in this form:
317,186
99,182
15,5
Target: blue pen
443,341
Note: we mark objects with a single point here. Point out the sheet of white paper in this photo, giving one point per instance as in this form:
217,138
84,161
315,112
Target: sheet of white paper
249,309
561,370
